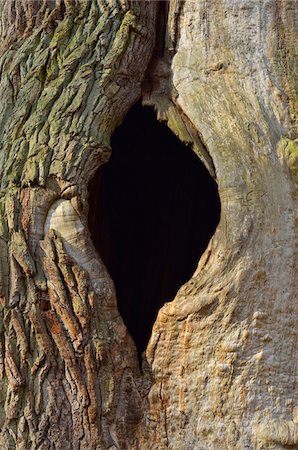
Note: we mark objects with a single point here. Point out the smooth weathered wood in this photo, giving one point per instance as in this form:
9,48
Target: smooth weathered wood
224,353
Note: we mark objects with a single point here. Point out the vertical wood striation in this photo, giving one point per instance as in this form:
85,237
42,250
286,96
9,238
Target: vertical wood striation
223,354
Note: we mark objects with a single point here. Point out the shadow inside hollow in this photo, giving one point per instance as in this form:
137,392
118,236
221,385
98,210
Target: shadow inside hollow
153,210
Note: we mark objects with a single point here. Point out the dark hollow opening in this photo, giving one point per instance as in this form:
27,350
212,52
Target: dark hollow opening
153,210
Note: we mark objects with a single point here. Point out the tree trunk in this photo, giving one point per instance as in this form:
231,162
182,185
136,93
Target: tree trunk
220,368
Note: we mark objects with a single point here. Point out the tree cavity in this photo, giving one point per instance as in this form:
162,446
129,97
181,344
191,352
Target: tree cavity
153,209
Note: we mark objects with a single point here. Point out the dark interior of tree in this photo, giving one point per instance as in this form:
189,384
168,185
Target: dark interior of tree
153,209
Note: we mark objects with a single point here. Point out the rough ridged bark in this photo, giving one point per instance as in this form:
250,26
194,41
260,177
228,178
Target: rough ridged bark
69,372
220,369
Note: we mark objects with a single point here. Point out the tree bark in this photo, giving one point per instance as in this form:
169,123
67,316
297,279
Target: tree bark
220,368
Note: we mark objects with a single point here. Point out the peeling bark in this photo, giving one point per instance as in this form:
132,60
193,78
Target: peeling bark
220,368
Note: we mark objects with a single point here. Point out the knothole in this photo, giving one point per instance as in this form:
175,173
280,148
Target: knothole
153,209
